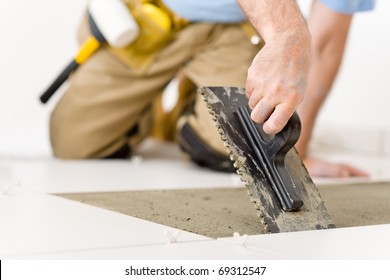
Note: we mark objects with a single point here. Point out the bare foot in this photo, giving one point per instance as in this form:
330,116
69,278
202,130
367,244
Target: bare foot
320,168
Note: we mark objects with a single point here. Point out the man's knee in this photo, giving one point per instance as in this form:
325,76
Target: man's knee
70,149
72,140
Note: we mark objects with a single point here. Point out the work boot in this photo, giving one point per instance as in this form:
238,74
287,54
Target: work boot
199,152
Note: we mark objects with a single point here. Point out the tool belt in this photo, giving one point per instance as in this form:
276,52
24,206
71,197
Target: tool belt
157,24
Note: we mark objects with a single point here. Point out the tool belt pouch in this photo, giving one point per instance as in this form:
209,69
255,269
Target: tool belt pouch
155,32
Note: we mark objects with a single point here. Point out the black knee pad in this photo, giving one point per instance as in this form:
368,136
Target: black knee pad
122,153
201,153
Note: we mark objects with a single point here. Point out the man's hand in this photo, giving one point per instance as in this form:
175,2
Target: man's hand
278,75
321,168
275,87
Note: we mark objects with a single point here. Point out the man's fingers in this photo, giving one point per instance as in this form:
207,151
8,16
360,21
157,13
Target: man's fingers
278,119
321,168
253,97
248,91
262,111
253,101
353,171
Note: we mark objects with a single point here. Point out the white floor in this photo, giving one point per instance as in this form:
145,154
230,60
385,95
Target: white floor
38,225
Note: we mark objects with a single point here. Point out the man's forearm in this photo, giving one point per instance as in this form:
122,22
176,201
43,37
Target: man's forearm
329,32
277,21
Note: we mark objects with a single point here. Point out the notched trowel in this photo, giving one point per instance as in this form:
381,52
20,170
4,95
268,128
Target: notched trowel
273,173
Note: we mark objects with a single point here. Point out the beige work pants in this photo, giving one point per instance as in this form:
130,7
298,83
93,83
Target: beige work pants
108,105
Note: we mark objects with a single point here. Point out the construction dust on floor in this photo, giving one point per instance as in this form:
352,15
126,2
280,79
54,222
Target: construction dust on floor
221,212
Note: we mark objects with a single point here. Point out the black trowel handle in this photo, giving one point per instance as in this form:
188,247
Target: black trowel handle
270,154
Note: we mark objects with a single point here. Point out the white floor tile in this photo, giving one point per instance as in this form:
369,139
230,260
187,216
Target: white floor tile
369,242
37,224
156,165
59,176
195,250
348,138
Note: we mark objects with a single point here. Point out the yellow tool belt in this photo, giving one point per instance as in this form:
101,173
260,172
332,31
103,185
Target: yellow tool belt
177,22
157,24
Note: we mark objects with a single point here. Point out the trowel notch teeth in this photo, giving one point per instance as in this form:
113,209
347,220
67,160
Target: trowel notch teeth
256,203
240,166
239,171
224,139
267,230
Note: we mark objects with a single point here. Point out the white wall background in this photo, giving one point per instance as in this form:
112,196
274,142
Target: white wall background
38,40
361,93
